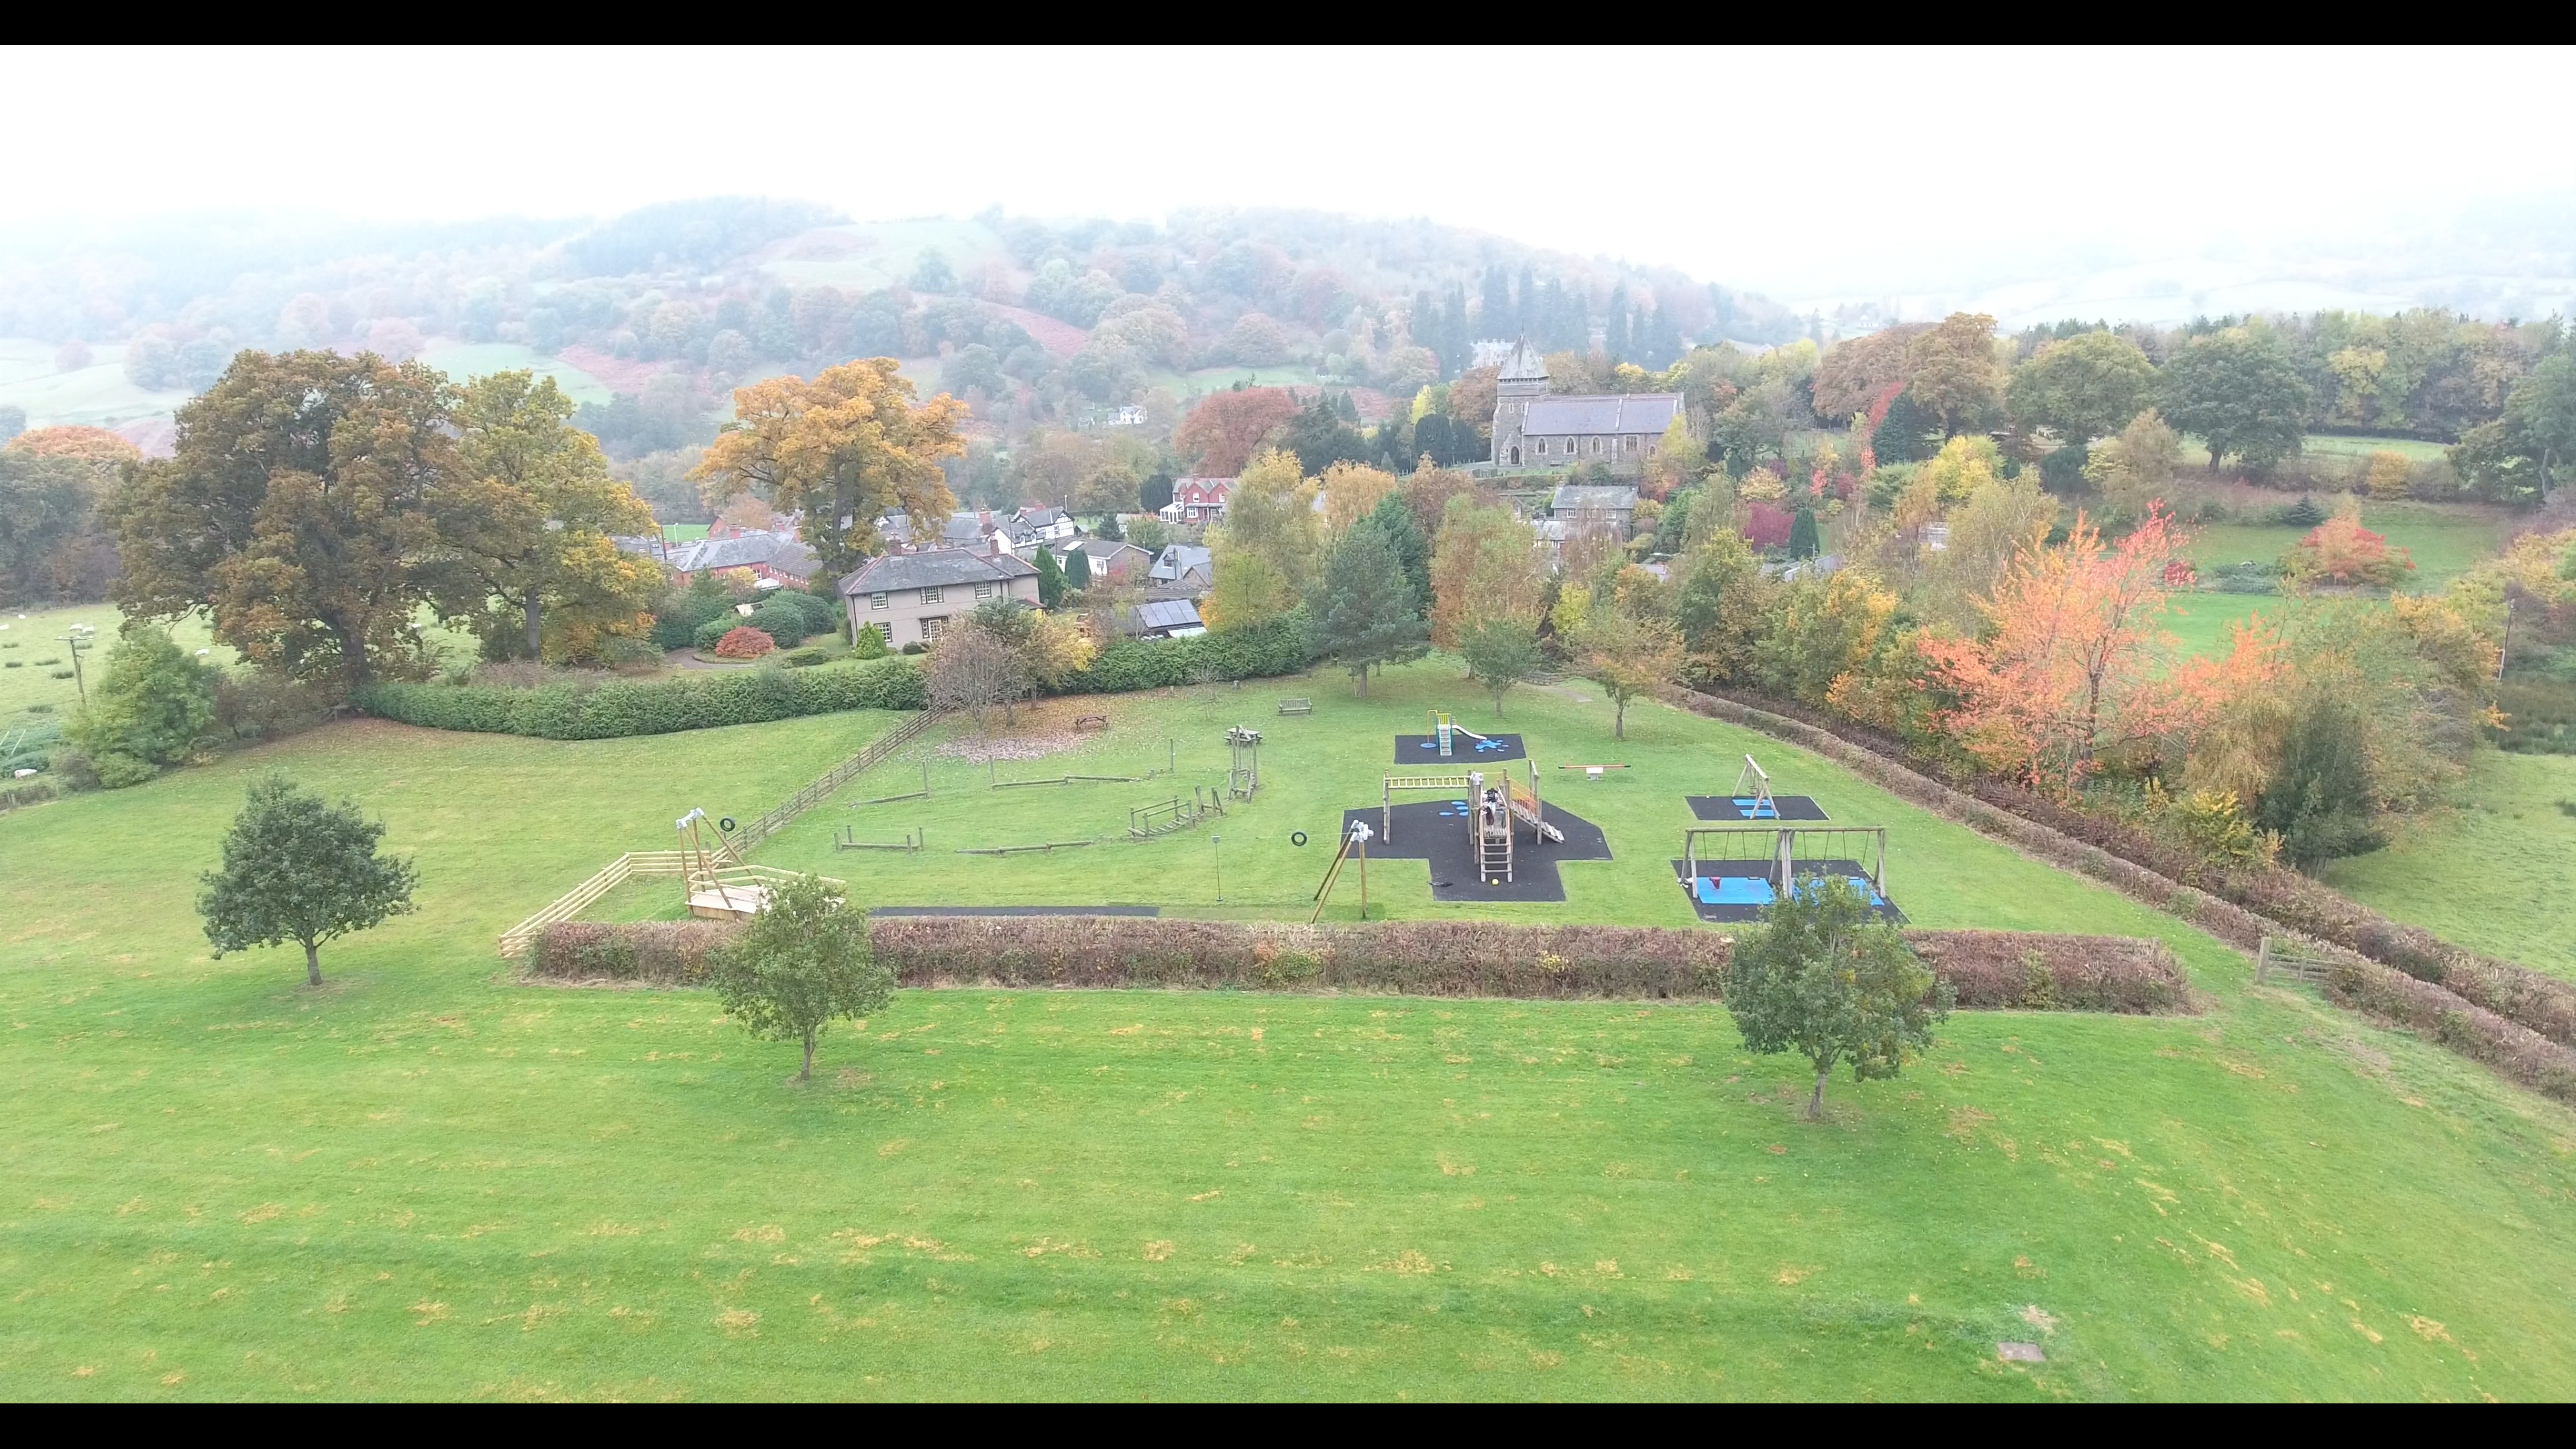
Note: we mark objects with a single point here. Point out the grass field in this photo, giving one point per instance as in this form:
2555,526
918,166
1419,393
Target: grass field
2443,542
461,360
95,396
426,1180
2494,871
30,694
2413,450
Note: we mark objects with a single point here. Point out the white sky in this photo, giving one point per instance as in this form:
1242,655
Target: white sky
1797,172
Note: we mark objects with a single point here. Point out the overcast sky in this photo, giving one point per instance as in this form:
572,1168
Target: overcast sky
1802,173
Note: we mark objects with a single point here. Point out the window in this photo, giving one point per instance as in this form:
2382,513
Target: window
1629,442
983,591
1570,449
1596,447
876,601
1542,447
932,596
930,628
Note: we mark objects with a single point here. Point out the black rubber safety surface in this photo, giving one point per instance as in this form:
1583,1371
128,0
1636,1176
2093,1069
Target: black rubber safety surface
1015,910
1735,808
1718,914
1423,751
1431,831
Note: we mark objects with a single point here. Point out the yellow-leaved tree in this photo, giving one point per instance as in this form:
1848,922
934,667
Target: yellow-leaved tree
1484,566
843,447
1350,491
1264,551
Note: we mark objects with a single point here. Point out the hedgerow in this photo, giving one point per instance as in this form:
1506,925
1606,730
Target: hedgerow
651,707
1254,651
1988,969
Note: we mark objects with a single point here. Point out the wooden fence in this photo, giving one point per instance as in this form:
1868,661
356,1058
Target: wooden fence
831,782
2283,956
514,941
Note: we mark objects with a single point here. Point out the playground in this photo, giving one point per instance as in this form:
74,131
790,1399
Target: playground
1247,803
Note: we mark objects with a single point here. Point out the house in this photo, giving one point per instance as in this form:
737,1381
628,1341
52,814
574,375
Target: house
1197,500
1050,525
1533,426
910,597
1182,570
1112,561
772,557
1162,619
1130,416
1591,508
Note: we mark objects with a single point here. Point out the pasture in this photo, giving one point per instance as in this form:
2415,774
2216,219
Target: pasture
429,1179
94,396
461,360
2491,869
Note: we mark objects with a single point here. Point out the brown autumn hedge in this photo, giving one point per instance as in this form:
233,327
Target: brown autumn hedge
1987,969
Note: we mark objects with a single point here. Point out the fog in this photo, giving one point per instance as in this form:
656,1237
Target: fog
2146,183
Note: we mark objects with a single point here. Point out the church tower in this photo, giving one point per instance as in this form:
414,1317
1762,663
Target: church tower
1524,376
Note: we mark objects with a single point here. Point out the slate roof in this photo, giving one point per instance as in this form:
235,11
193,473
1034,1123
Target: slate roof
1618,412
1179,558
1524,365
1106,551
1039,517
932,569
742,551
1592,498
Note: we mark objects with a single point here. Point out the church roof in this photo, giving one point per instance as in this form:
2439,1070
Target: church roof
1524,365
1618,412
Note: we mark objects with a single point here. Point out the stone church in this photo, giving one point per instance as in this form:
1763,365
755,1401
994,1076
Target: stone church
1536,428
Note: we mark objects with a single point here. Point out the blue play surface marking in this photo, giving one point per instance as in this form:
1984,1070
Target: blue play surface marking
1745,890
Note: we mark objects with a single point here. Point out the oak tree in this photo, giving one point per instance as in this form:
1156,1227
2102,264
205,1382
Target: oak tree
844,447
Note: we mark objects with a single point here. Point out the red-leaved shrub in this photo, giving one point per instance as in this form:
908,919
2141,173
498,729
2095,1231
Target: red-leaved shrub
744,642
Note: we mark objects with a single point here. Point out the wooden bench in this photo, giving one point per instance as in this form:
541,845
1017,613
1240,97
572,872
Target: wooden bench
1091,722
1296,706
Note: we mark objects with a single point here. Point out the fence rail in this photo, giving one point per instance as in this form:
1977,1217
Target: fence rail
514,941
2283,956
830,784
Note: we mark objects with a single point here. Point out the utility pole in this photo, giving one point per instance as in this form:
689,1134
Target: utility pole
78,638
1214,842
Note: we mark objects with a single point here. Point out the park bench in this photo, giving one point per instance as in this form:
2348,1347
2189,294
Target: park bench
1091,722
1296,706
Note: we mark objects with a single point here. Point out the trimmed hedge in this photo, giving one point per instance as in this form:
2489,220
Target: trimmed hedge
1988,969
651,707
1255,651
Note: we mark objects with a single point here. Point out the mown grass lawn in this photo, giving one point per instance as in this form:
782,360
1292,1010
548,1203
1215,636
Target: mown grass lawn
2444,542
427,1180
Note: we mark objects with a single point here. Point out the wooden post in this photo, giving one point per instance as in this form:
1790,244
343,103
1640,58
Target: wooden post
1363,880
2263,962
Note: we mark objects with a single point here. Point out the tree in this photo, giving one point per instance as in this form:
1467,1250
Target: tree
1484,565
1627,656
1264,551
2135,470
1351,490
1824,977
1050,580
2084,387
300,508
803,962
2072,663
1155,494
1955,376
1222,433
2241,393
2542,410
2341,551
1803,542
1321,437
1393,517
297,868
1363,607
1853,375
1107,491
972,671
45,503
527,527
844,448
1499,653
1077,570
2320,800
152,703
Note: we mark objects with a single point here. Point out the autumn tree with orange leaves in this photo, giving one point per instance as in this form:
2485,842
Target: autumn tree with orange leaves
844,447
1224,432
2072,665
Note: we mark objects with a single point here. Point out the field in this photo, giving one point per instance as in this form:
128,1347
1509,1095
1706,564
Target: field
2334,445
461,360
879,254
427,1180
29,693
95,396
2493,870
2444,542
